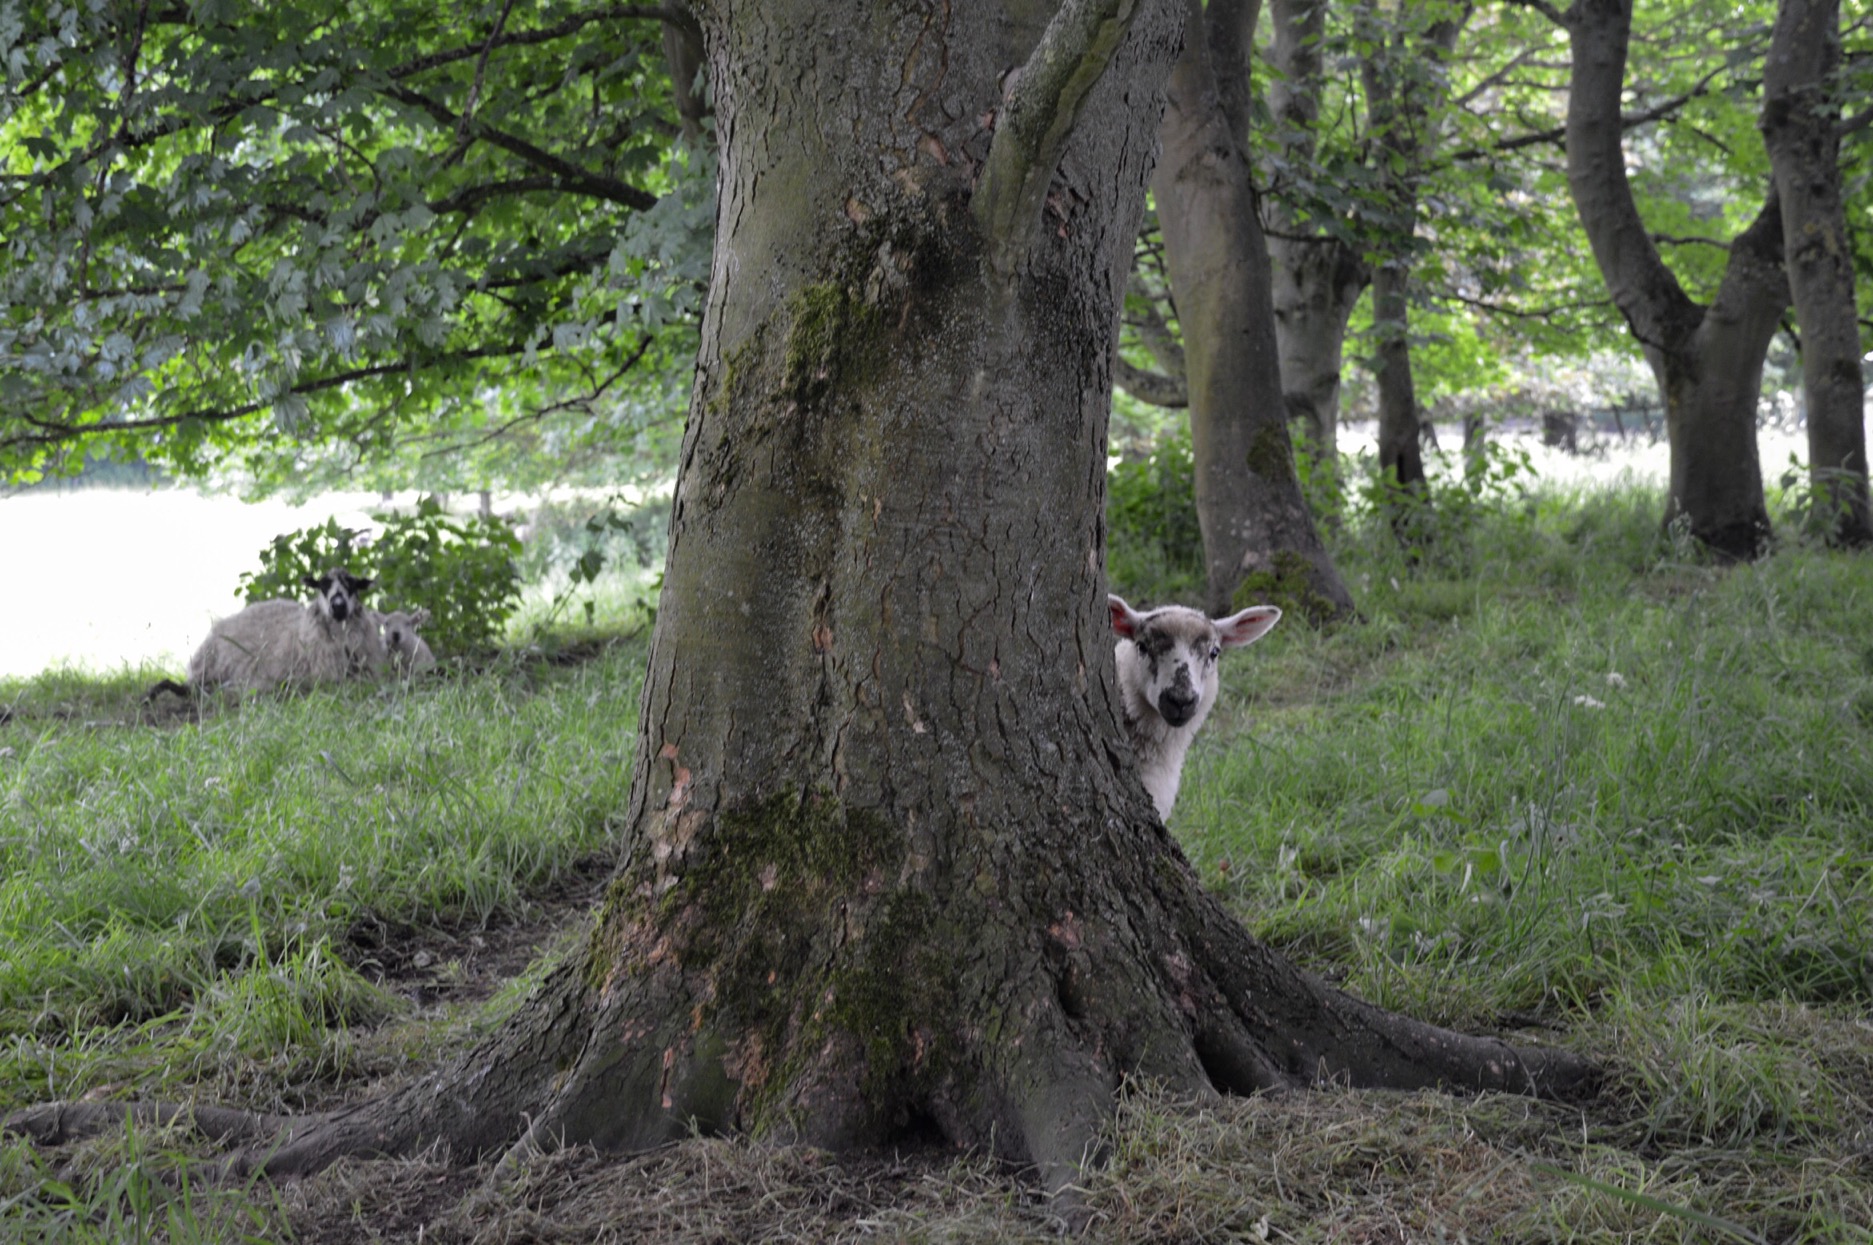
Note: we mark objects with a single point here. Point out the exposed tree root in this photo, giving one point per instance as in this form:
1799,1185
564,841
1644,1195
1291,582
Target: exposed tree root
59,1123
1169,987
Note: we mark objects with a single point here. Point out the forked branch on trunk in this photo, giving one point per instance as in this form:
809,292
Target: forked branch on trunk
1043,100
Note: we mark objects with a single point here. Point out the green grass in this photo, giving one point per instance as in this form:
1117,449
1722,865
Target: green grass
1560,779
1655,783
190,886
1570,779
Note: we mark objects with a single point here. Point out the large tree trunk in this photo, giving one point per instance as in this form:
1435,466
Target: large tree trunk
1259,538
1708,360
1799,120
1317,276
891,873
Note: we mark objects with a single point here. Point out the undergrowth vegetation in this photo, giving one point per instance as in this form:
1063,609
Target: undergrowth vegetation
1560,778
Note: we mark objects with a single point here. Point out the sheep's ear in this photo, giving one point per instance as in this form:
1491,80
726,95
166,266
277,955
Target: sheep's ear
360,586
1125,619
419,618
1248,626
318,583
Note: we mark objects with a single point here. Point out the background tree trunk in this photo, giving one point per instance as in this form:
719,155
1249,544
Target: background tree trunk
1401,457
1708,360
1259,538
1317,277
1403,76
1799,120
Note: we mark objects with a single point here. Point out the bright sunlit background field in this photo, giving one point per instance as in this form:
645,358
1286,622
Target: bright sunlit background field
105,577
110,577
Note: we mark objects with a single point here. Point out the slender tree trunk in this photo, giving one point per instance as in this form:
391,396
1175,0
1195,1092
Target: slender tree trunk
1317,277
1259,538
1708,360
890,869
1401,458
1401,75
1799,120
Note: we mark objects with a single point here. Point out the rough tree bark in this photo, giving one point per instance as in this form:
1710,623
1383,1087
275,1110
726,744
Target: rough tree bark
1800,128
891,873
1259,538
1317,275
1708,359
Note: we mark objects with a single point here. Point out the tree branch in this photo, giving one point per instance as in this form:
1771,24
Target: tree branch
570,175
1627,121
469,199
1043,97
1526,313
474,88
538,414
1156,334
1149,386
1672,239
54,433
670,13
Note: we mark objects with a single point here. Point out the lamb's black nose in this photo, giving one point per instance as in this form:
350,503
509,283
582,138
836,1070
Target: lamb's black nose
1176,707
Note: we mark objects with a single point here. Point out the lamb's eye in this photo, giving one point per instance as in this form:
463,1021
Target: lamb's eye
1216,650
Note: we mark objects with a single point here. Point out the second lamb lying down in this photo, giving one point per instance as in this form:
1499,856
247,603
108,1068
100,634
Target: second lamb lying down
408,652
1167,680
292,643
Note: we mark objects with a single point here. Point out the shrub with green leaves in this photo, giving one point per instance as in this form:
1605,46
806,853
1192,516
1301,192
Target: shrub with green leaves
1154,545
1442,519
464,571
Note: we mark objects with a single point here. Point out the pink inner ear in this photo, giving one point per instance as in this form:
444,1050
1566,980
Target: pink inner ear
1248,626
1121,617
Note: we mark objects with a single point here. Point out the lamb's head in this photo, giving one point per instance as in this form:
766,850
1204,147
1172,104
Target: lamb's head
1170,669
338,594
408,651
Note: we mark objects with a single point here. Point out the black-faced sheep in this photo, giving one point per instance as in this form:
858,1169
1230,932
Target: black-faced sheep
1167,660
276,643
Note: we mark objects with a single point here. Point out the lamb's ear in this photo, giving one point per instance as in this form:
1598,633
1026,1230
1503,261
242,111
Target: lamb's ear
1248,626
420,617
1125,619
318,583
360,586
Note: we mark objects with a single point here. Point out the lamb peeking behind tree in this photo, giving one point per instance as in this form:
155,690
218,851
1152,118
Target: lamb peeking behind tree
1167,659
274,643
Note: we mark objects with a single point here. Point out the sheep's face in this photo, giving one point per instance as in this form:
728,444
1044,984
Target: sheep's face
400,637
1178,649
338,594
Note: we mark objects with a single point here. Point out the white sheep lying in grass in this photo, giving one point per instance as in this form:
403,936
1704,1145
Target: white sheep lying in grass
408,652
277,643
1167,661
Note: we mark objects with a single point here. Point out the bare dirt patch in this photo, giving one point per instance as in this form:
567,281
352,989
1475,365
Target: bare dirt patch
467,963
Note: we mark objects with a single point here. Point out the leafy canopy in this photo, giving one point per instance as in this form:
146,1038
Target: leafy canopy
240,235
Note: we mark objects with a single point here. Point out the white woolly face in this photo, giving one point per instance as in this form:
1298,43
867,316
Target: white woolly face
1180,648
338,595
400,637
